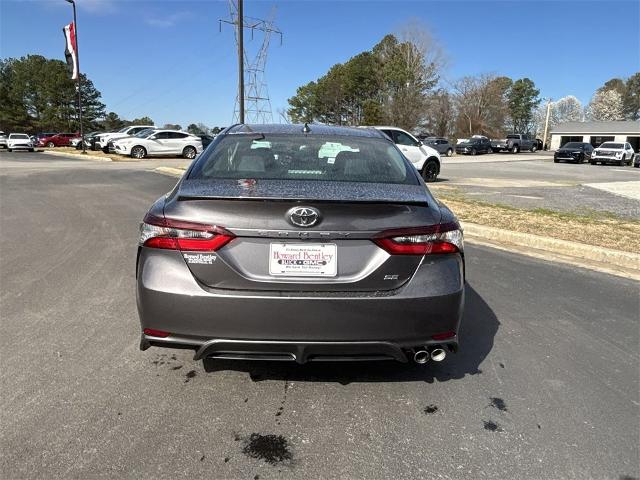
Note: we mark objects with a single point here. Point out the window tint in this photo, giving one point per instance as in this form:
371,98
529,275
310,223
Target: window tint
389,133
404,139
309,157
178,135
162,135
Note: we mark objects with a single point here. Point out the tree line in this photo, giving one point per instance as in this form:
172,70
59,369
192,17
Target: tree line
400,82
37,94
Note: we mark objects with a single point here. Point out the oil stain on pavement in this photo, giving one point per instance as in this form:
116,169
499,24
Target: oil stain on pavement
497,402
273,449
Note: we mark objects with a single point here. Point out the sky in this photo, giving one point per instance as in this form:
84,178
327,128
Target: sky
169,60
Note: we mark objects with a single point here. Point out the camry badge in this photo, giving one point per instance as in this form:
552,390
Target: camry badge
303,216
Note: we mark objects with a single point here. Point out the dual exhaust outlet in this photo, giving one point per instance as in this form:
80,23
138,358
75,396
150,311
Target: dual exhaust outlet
423,355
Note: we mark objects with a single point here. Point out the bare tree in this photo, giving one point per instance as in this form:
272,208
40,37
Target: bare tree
480,105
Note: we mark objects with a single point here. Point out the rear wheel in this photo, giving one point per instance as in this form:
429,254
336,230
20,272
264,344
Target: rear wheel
138,152
189,152
31,149
430,171
449,152
9,150
515,149
473,151
534,148
51,144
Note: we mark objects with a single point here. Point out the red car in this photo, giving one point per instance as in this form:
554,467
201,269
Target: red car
57,140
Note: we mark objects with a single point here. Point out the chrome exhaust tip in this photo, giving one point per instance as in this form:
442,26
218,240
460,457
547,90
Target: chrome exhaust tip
421,356
438,354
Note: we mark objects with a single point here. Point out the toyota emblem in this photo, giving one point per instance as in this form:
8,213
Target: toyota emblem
304,216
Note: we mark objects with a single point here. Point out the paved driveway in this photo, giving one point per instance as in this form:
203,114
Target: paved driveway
577,188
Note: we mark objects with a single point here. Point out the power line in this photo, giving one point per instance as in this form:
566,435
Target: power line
255,106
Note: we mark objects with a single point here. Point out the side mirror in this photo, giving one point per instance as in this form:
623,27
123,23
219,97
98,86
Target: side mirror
153,137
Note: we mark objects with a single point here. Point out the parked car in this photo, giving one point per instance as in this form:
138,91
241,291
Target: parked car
636,160
89,141
57,140
515,143
153,142
440,144
41,135
577,152
613,152
346,255
206,140
539,144
474,145
3,139
102,139
425,158
19,141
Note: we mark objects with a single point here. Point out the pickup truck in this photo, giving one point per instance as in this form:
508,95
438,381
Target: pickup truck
514,143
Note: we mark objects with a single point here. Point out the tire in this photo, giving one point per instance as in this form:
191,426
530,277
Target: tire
105,149
189,152
534,148
474,152
9,149
51,144
430,171
138,152
555,160
515,149
31,150
450,152
623,161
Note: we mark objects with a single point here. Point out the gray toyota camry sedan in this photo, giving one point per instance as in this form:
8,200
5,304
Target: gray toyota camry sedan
302,243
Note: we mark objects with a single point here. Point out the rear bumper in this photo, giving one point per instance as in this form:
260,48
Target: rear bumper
300,327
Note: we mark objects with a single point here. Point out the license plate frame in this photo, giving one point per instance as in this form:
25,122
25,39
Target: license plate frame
318,260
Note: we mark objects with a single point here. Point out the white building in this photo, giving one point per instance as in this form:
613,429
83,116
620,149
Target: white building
596,133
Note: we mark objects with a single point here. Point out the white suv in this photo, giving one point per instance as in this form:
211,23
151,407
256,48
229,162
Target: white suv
423,157
19,140
613,152
159,142
103,139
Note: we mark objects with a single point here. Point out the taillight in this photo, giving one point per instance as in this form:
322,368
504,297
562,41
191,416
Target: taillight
156,333
434,239
169,234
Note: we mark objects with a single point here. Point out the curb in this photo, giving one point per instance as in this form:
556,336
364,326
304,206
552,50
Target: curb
79,155
171,171
625,264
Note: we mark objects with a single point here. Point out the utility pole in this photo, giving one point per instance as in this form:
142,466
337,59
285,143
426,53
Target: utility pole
546,124
240,33
252,104
78,80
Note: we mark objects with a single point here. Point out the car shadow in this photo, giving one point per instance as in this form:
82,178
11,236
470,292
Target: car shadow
478,329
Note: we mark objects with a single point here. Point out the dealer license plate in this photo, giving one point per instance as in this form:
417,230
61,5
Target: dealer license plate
303,260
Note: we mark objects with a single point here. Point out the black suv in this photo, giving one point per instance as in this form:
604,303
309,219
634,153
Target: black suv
473,146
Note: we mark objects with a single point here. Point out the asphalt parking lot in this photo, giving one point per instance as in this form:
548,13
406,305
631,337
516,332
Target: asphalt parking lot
533,181
546,383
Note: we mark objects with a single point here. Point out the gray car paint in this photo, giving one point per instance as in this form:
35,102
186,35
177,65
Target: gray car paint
234,300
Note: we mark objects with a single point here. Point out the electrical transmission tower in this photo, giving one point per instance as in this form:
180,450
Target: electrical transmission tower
256,95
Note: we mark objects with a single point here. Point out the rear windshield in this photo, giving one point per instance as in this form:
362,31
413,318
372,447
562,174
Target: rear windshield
611,145
304,157
18,135
573,145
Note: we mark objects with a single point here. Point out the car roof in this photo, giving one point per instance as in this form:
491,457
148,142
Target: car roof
158,130
315,129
